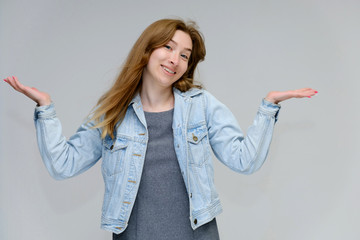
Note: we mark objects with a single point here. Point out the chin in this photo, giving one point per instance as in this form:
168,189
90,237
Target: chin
167,83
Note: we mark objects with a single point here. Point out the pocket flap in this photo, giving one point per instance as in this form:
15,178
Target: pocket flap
194,135
112,145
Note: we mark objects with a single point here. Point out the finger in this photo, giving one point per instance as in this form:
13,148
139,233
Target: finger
303,89
20,87
307,90
10,81
14,83
311,92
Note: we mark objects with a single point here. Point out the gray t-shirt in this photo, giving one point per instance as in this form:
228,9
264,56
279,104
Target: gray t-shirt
161,209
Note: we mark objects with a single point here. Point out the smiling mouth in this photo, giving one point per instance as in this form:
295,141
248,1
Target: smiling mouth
168,70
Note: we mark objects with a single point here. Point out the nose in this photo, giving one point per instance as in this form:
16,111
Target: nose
174,58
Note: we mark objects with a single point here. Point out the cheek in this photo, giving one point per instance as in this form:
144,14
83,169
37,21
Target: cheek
184,69
159,54
151,63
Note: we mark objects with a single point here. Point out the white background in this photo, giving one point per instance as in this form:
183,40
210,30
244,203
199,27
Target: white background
309,186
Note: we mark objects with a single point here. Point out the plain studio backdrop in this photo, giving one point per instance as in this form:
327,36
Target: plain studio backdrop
309,187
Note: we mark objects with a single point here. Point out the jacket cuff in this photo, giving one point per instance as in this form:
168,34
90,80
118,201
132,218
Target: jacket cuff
269,108
43,112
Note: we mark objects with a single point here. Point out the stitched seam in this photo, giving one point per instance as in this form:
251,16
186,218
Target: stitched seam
261,141
43,138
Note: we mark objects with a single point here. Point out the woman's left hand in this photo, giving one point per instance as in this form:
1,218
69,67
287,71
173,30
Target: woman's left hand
277,97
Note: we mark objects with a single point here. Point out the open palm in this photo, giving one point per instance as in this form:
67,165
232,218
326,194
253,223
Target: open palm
276,97
41,98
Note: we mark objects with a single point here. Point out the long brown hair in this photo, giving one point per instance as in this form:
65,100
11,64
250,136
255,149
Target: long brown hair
112,106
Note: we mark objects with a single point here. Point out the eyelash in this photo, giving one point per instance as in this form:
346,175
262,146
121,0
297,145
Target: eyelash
182,55
185,56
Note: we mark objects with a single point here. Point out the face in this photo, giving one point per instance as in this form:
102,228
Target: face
169,62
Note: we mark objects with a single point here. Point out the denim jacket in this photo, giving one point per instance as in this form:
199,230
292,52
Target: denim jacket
200,124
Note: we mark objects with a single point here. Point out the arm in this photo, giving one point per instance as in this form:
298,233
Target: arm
62,158
244,154
65,158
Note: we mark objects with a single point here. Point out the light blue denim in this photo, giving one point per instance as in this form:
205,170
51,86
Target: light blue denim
200,123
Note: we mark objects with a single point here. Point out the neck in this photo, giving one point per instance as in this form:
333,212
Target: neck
157,99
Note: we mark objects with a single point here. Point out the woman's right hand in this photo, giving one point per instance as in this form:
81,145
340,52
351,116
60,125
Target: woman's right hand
41,98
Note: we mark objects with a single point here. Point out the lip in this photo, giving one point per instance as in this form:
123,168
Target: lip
171,69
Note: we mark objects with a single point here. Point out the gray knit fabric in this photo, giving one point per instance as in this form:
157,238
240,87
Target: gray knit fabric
161,209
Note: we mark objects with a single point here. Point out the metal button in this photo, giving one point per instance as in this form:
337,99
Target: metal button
195,138
112,147
195,221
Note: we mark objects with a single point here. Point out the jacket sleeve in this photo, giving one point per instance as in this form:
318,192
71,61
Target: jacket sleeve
244,154
65,158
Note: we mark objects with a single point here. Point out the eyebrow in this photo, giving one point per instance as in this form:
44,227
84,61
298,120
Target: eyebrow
188,49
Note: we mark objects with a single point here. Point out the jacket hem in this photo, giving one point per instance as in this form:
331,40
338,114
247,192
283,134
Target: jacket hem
205,215
114,226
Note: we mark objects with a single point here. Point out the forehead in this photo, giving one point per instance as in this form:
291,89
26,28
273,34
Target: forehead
182,39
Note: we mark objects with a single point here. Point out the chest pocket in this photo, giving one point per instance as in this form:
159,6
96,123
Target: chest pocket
198,144
114,155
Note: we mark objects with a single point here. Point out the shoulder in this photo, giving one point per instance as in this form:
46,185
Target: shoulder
194,93
200,98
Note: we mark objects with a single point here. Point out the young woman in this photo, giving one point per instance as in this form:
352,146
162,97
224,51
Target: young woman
154,130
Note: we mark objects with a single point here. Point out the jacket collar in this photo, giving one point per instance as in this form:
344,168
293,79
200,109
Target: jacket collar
190,93
136,99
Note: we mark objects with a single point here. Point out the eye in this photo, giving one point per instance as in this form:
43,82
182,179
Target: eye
168,47
185,56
